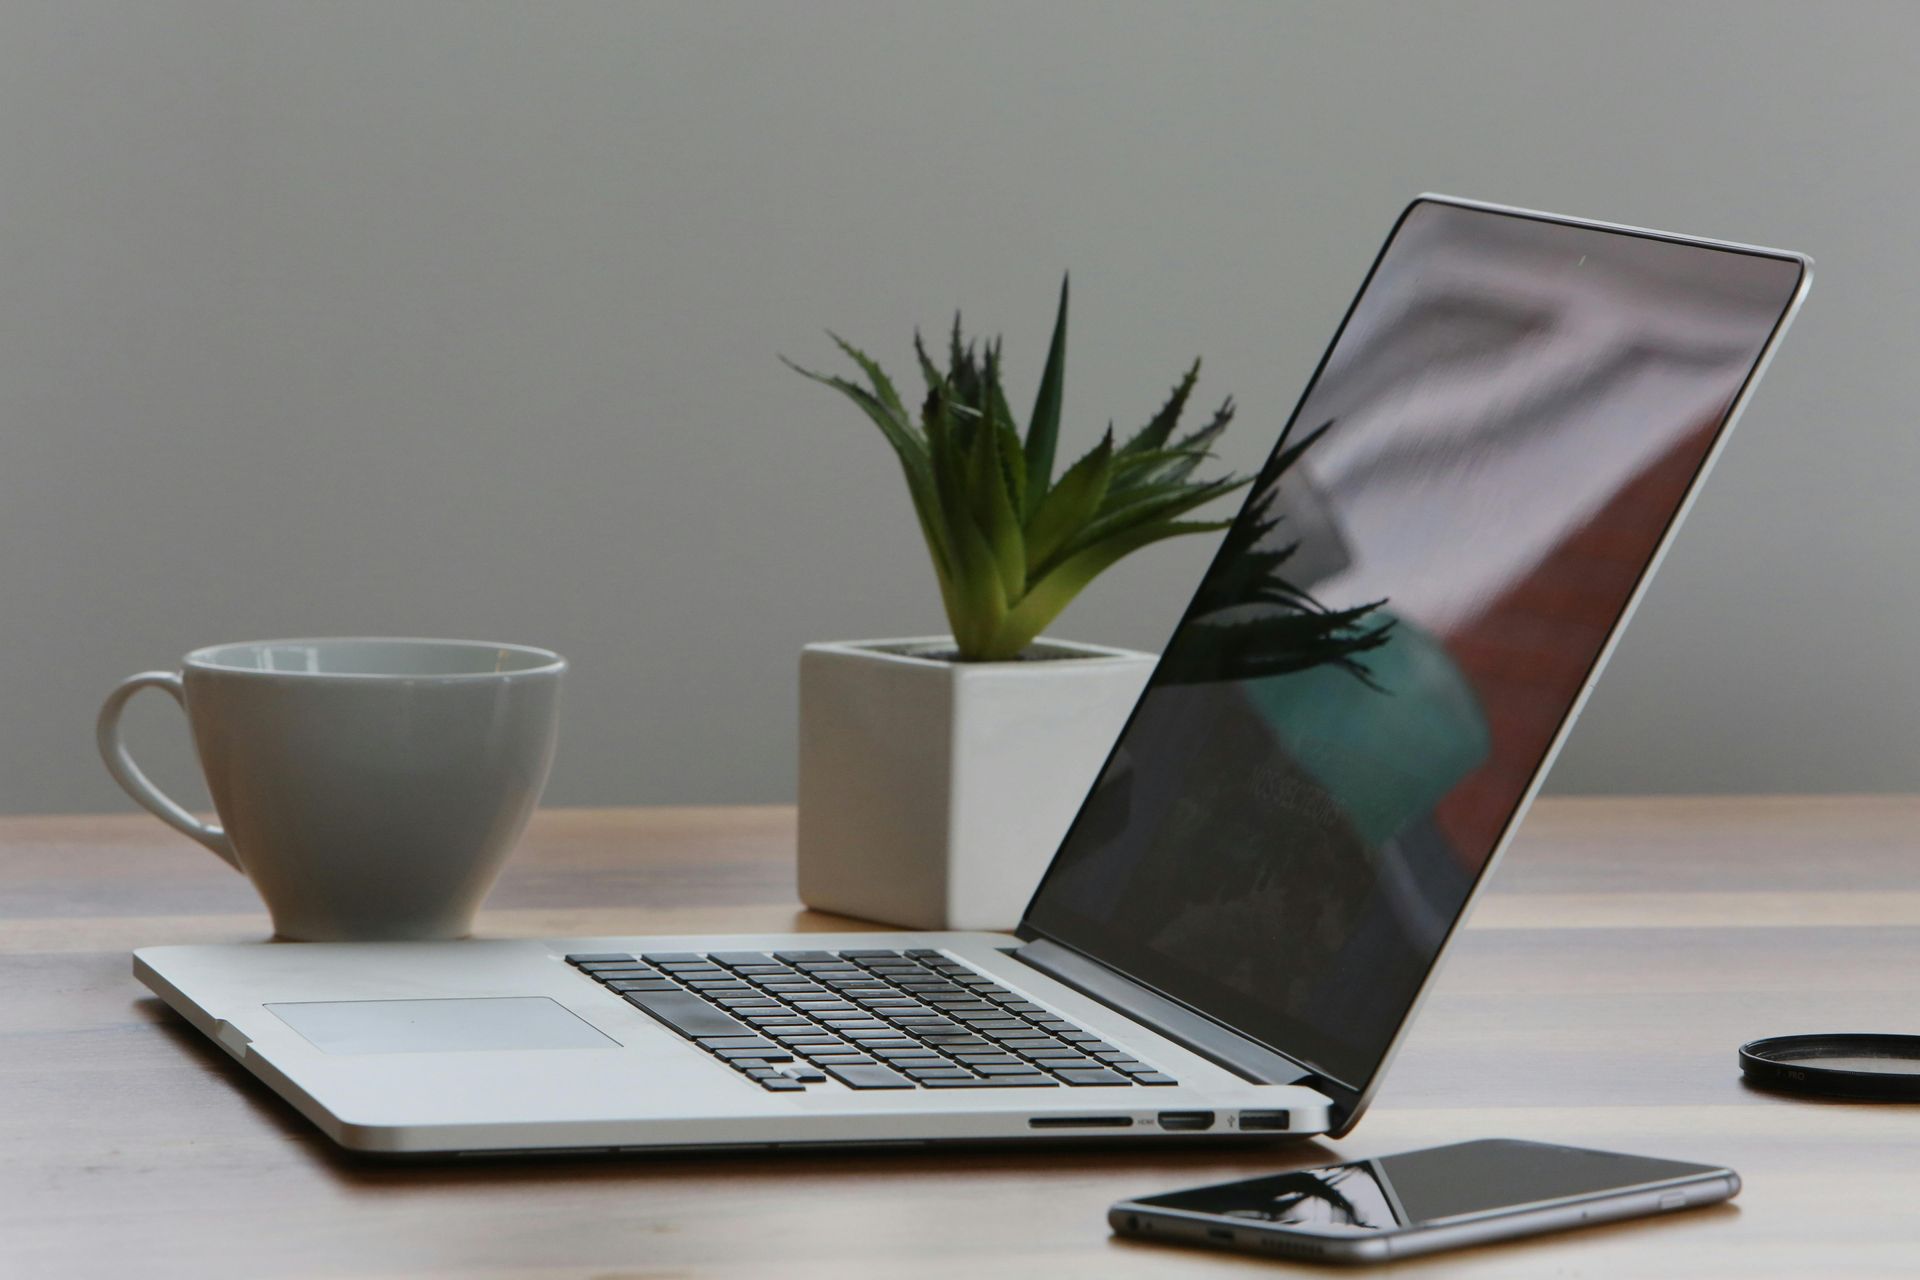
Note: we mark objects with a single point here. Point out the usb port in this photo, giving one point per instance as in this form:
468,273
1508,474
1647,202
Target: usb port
1186,1120
1264,1121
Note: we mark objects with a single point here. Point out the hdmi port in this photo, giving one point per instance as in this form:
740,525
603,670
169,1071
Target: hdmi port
1186,1120
1079,1122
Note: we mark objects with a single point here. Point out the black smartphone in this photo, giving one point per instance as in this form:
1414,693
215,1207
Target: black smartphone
1423,1201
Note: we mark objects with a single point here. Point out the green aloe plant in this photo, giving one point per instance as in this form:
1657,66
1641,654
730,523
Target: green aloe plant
1011,544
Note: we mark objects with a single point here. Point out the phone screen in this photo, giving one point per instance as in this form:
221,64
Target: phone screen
1419,1188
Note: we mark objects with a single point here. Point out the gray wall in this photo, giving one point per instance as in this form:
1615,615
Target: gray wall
450,318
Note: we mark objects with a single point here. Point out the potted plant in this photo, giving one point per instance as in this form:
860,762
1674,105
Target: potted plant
939,773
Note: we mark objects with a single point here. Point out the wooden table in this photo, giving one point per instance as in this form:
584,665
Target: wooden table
1627,948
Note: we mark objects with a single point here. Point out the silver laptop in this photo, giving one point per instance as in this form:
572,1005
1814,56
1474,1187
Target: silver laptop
1339,740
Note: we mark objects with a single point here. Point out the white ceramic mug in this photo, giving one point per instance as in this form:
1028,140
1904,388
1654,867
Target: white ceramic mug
370,788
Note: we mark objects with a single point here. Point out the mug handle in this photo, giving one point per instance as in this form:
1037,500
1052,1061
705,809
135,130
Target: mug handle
113,750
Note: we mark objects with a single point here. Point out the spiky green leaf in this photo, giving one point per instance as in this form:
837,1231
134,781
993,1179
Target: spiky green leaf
1150,507
1197,445
1064,512
1157,431
1133,471
928,370
882,386
1046,597
1043,428
991,506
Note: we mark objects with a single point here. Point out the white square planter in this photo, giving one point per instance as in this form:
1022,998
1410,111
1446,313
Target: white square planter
933,794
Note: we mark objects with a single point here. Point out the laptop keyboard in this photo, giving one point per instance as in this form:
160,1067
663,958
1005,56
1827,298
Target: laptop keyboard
869,1019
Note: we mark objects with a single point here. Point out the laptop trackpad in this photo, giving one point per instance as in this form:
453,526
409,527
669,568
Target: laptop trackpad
440,1026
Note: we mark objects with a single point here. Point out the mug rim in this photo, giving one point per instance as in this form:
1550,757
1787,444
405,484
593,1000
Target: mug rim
545,662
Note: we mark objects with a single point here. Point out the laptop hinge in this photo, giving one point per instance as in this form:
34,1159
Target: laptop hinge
1202,1035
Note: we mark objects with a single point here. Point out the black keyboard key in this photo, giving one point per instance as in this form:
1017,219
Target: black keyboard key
811,1048
873,1077
734,959
688,1014
1155,1078
805,1075
1004,1069
994,1082
780,1084
770,1053
802,957
869,954
840,1060
671,957
642,984
713,1044
1094,1077
600,957
923,953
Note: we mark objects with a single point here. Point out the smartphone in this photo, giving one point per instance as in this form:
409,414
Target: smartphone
1393,1207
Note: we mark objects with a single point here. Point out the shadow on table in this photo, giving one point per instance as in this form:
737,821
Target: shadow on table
1458,1261
1156,1160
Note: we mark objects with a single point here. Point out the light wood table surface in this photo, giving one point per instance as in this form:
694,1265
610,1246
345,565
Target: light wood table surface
1627,948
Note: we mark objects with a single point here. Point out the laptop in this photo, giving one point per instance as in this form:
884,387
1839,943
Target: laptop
1339,740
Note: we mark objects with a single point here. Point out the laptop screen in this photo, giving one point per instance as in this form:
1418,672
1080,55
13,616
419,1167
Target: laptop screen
1400,619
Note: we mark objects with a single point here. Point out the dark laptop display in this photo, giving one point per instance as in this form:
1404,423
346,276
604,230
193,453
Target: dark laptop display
1401,619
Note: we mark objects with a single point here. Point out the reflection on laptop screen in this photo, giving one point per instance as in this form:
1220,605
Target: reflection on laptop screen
1402,616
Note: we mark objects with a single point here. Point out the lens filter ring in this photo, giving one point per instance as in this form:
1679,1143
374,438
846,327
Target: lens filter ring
1862,1066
